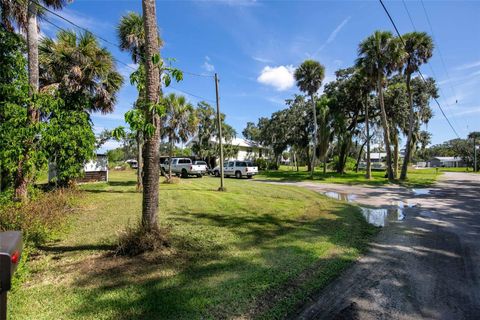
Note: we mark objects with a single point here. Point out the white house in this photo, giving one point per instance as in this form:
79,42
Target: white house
448,162
94,170
247,150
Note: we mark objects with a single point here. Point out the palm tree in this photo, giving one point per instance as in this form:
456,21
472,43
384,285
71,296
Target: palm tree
83,72
309,76
152,93
419,49
24,13
179,123
379,55
131,35
474,136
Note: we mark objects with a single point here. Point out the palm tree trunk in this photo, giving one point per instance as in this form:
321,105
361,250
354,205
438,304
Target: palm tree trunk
139,161
170,154
409,147
395,154
21,175
314,140
368,174
151,150
325,156
386,130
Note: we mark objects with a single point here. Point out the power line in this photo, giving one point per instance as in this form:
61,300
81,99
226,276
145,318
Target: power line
439,51
120,61
98,36
419,72
430,66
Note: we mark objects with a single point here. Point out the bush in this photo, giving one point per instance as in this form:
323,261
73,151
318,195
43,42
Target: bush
349,164
264,164
135,240
41,218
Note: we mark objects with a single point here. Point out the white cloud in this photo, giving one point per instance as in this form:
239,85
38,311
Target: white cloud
263,60
281,77
207,65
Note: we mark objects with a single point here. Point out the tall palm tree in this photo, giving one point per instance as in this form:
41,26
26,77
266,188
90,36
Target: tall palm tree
179,123
24,13
419,49
309,76
81,70
151,157
379,55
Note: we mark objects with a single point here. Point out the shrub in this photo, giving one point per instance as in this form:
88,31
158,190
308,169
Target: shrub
135,240
41,218
264,164
349,164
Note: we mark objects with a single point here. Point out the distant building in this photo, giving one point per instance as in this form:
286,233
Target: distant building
447,162
247,150
93,170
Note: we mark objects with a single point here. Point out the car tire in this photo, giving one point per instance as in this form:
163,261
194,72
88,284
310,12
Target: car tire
216,173
238,175
249,177
184,173
199,175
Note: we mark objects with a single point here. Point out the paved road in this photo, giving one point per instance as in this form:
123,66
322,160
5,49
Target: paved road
424,267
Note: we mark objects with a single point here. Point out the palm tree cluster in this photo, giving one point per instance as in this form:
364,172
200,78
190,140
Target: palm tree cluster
379,91
73,68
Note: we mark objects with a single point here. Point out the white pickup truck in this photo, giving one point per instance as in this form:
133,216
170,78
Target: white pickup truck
183,167
237,168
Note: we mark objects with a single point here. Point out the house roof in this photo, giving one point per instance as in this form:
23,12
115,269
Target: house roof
240,142
448,158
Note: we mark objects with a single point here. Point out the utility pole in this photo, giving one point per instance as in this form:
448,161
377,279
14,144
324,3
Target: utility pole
219,123
474,152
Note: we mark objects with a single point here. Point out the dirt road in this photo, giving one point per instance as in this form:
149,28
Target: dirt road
426,266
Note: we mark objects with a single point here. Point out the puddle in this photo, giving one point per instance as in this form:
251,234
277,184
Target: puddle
420,192
381,217
341,196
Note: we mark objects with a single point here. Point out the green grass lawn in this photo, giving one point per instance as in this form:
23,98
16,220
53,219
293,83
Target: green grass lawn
416,178
255,251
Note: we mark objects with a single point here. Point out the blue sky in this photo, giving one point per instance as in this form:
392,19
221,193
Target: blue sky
254,46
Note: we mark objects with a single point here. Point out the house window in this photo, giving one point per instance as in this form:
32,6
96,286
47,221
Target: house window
249,150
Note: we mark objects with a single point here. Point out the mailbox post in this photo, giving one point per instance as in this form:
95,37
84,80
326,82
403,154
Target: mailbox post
10,254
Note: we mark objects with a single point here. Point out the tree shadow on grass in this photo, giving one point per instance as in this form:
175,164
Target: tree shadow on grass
203,279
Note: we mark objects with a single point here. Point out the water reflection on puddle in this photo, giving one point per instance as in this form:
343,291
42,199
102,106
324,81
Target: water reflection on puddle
420,192
380,217
341,196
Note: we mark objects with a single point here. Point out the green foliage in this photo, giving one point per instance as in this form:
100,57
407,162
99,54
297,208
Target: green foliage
70,142
349,163
15,131
41,219
116,155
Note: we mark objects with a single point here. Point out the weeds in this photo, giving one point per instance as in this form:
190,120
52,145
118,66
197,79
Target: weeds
136,240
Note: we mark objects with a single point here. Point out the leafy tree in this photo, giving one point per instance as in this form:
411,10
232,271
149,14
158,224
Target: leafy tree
309,76
24,14
80,72
116,155
203,146
474,136
179,123
251,132
419,49
379,55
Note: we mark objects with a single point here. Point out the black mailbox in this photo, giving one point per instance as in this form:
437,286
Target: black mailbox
10,254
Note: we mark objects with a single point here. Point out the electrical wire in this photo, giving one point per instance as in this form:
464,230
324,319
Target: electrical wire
115,59
419,72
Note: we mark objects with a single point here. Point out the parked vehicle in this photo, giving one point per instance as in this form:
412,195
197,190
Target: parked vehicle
203,164
183,167
237,168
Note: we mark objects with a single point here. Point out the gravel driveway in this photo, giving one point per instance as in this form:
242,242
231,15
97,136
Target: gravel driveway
426,266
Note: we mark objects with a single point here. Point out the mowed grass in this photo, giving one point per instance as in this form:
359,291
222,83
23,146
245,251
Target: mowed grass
417,178
255,251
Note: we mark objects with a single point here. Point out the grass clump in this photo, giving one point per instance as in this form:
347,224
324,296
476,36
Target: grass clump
41,218
137,240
